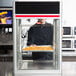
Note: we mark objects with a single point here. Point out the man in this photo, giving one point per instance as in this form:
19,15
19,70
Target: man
41,34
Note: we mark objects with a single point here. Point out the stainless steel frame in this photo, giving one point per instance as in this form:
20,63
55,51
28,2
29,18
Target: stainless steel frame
18,54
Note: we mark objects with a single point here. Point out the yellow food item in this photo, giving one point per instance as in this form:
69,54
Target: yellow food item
36,48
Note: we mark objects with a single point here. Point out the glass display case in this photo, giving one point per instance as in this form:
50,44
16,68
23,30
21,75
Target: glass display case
34,41
69,40
37,39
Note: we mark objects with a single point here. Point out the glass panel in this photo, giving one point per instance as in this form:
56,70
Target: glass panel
5,36
36,43
66,30
74,30
74,43
66,43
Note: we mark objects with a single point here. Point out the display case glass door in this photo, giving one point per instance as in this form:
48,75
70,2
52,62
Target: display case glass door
36,43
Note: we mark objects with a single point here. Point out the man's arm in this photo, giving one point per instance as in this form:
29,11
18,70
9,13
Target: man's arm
30,37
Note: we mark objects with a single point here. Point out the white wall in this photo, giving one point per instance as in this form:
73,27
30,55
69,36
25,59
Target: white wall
69,12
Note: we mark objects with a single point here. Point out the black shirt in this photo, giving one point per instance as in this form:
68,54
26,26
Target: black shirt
41,34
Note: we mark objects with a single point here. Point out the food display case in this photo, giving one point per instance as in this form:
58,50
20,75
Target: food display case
37,38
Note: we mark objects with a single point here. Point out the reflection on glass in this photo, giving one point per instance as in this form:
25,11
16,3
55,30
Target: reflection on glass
5,36
74,30
66,43
66,30
37,45
74,43
40,34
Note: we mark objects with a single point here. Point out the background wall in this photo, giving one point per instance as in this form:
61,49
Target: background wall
69,12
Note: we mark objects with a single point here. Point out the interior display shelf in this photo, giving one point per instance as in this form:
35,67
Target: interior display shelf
68,36
6,25
39,48
5,44
6,55
68,53
68,49
6,47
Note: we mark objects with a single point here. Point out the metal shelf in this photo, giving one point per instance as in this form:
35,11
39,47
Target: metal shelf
68,53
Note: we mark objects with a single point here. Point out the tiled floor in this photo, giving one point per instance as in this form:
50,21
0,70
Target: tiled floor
68,69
